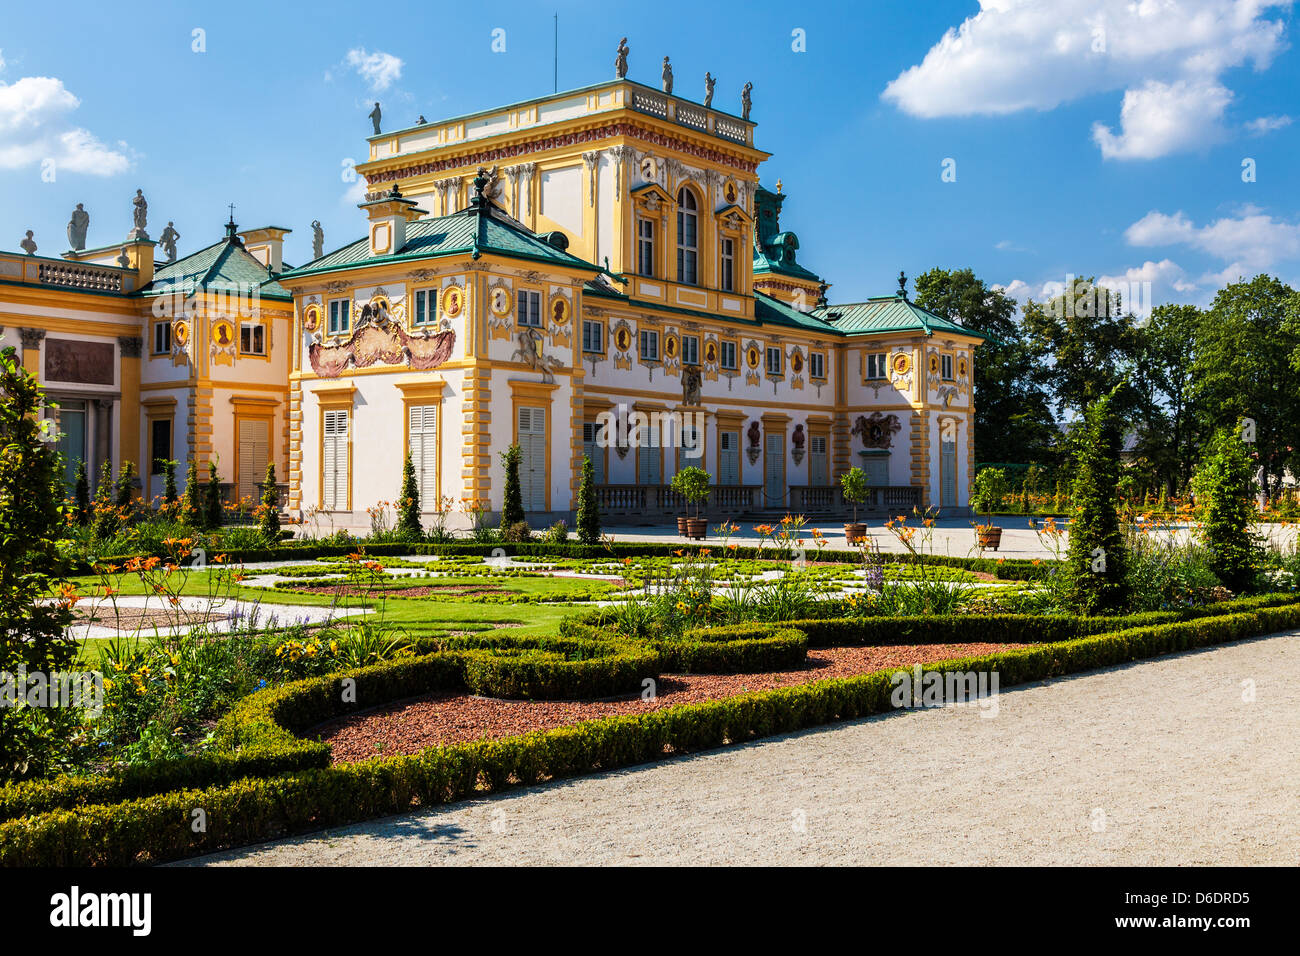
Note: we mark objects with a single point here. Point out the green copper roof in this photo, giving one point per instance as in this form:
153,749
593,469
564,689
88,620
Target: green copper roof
468,231
223,266
887,314
773,311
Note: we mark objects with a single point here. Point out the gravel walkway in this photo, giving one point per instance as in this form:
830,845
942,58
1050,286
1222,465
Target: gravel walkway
1157,763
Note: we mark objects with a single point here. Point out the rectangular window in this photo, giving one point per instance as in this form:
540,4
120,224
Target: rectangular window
592,449
877,365
340,319
727,355
160,444
645,246
422,436
649,346
690,350
649,459
727,276
728,458
593,337
162,338
530,308
817,365
773,360
426,307
252,338
334,459
945,364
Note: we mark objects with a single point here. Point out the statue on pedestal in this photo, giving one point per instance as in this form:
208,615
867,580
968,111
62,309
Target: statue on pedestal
28,244
139,216
317,239
745,101
168,241
77,227
708,88
375,116
668,76
620,61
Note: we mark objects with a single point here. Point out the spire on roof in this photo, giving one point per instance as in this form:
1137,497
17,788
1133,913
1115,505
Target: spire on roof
902,285
232,230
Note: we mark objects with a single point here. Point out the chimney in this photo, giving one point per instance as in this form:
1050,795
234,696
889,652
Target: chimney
389,215
266,245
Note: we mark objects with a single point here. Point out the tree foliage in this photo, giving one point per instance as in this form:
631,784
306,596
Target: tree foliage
408,510
1097,559
588,511
1223,486
512,506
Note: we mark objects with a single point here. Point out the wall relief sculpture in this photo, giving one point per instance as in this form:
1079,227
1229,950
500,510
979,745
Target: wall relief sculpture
877,431
378,339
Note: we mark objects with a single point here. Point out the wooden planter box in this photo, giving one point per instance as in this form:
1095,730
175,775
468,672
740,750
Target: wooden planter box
990,538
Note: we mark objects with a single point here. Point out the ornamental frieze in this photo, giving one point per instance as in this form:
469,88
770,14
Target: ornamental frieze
379,340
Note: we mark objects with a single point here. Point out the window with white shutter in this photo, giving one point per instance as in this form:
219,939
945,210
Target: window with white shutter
728,458
532,460
591,448
334,459
649,460
818,462
253,452
422,438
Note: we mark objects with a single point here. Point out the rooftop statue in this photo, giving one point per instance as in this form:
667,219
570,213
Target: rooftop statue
77,227
28,244
168,241
745,101
375,116
139,215
620,61
317,239
709,81
668,76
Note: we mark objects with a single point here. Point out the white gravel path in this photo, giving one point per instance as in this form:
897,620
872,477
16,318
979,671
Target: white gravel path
1157,763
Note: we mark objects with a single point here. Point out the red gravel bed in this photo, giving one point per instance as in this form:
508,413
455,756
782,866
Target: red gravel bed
452,718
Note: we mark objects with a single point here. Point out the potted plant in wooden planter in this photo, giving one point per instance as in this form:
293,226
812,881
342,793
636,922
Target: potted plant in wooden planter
693,485
854,485
988,495
990,536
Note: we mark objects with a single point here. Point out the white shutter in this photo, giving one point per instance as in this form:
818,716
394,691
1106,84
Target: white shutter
532,460
948,471
774,466
728,458
334,460
422,434
254,450
648,461
590,448
818,466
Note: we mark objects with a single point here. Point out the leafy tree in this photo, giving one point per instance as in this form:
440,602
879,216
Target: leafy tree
1087,342
1245,368
1223,486
1170,422
270,524
990,490
81,494
104,509
408,520
588,512
1097,559
1013,416
512,506
191,507
32,629
214,514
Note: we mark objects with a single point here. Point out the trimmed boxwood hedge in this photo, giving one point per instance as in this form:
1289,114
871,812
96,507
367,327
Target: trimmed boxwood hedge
741,649
158,828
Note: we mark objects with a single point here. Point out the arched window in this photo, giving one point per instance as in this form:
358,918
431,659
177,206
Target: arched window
688,221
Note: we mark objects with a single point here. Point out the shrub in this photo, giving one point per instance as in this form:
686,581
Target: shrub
31,628
213,512
169,479
990,490
270,518
588,512
1223,486
519,531
191,507
124,489
557,533
512,505
1097,558
81,494
408,520
692,484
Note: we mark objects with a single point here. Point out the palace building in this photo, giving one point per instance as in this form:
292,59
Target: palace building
593,273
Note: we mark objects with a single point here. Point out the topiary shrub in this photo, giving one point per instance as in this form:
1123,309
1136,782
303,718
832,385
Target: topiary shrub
213,512
1223,486
270,518
512,505
408,511
191,509
588,511
1097,560
81,495
854,485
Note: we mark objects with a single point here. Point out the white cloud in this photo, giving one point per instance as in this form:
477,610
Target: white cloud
1251,241
1163,118
379,70
1016,289
1267,124
35,126
1168,56
1141,287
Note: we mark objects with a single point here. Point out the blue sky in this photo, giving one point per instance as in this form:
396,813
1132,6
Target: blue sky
1089,136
